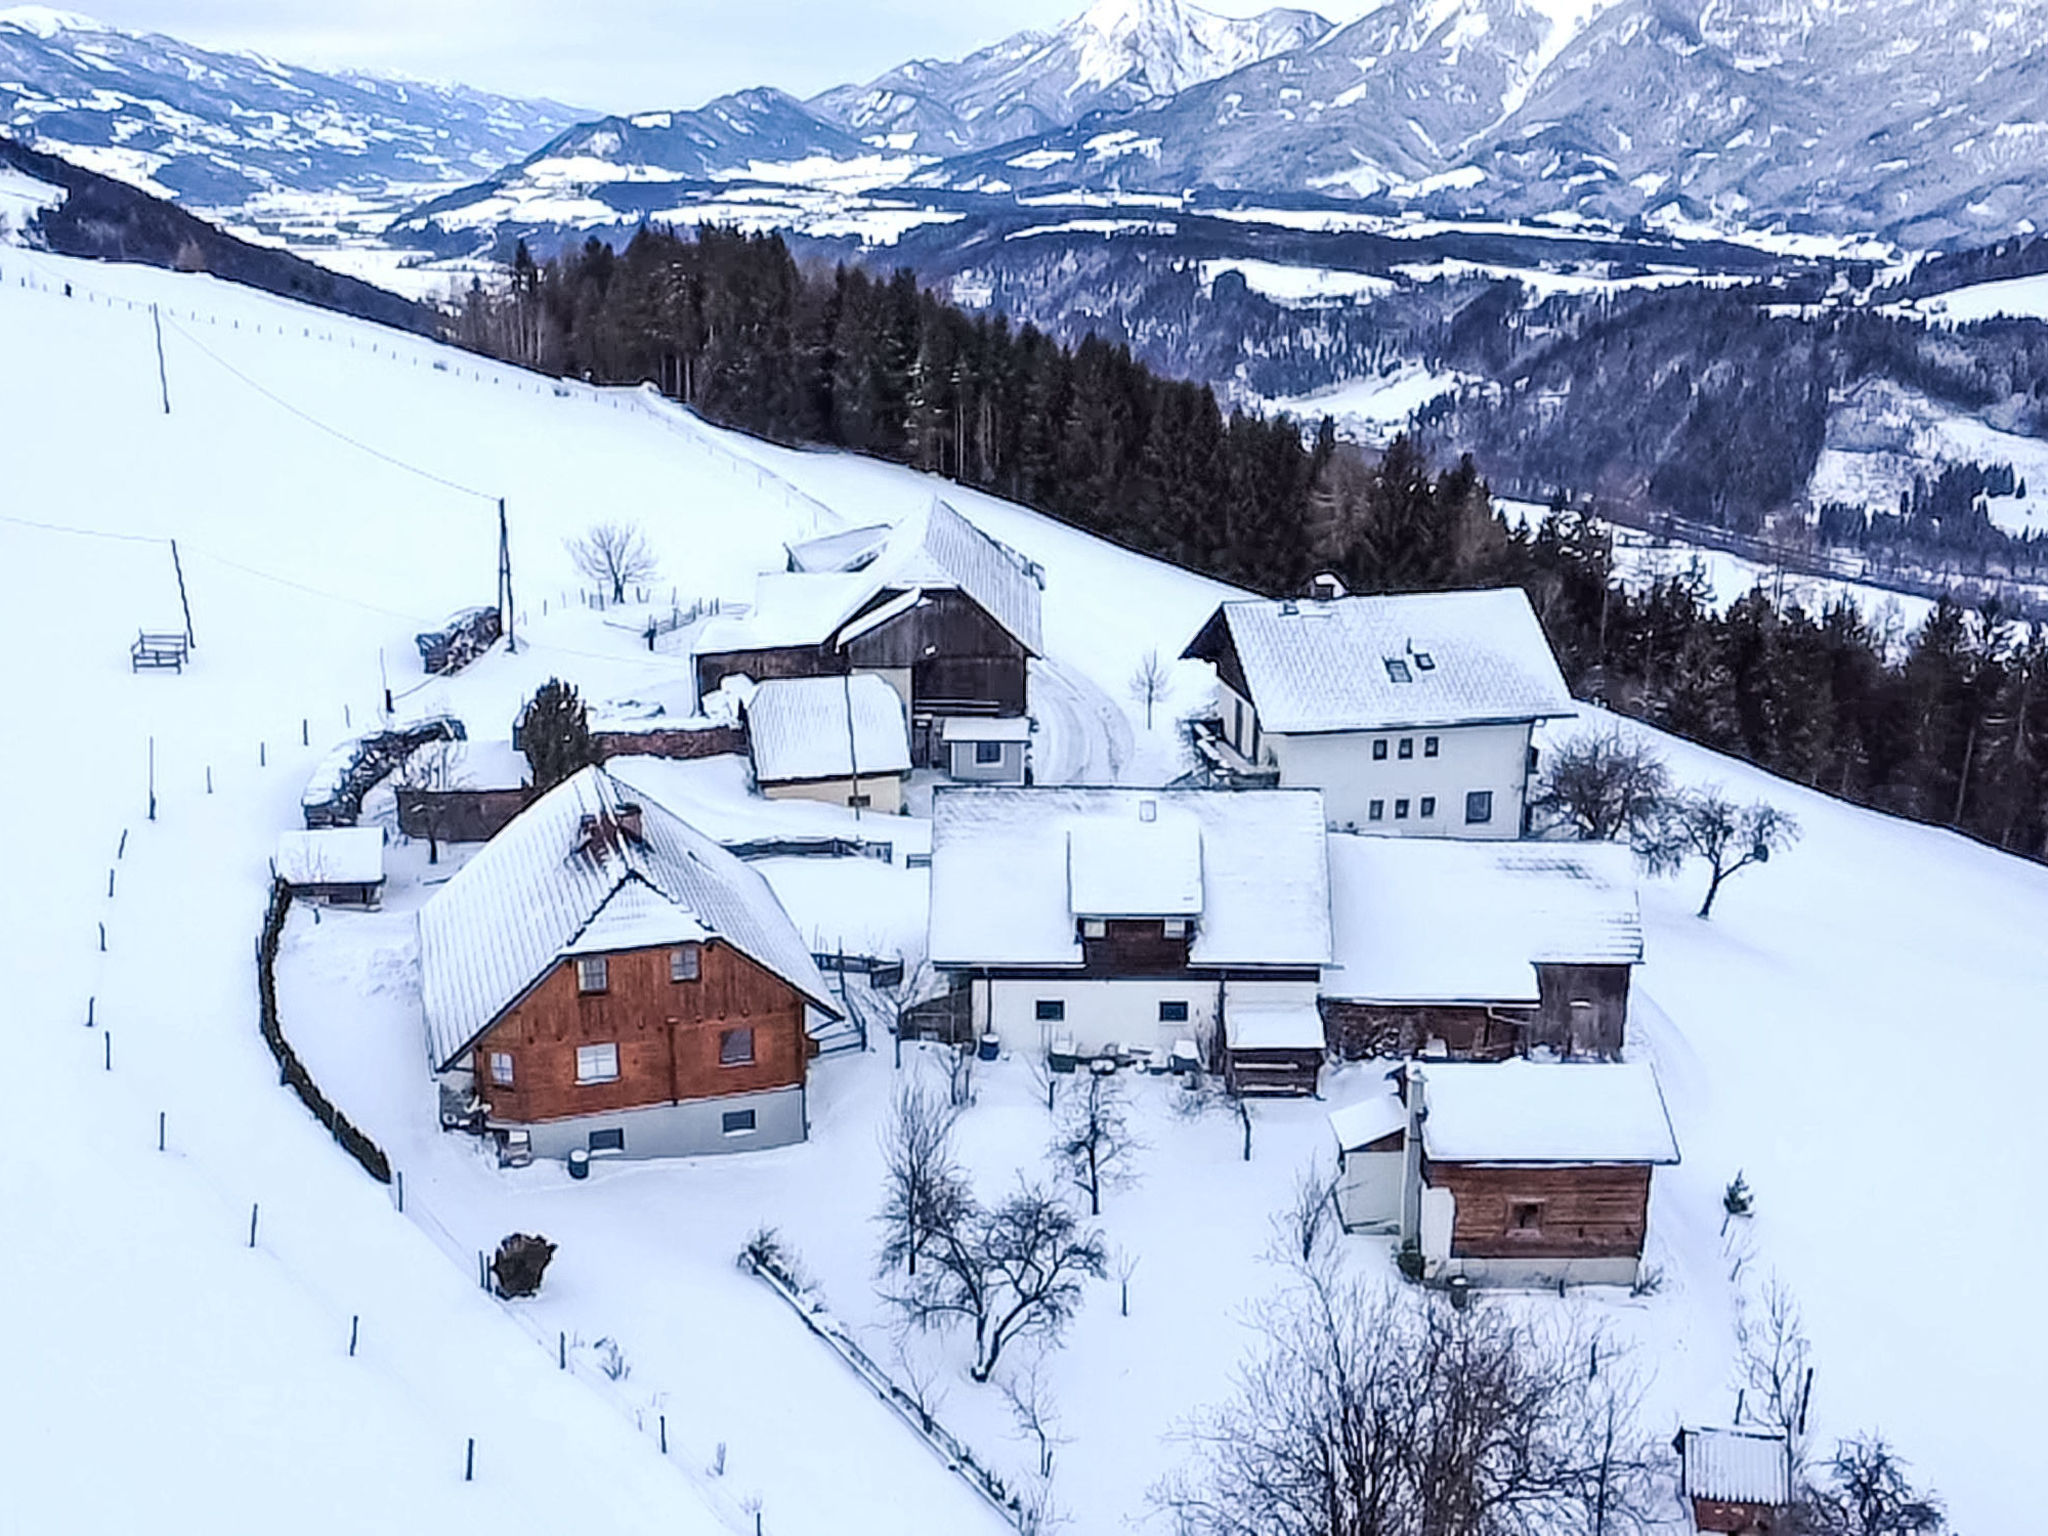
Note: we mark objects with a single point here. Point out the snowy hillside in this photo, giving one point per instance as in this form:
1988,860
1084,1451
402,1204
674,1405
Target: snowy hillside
1868,1062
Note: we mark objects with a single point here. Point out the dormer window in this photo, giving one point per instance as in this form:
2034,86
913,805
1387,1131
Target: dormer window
1397,670
1424,662
1174,927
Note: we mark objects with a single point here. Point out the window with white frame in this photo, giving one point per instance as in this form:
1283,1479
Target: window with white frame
988,753
736,1047
501,1068
1377,811
1401,810
1430,745
593,973
1427,808
1478,807
1173,1013
684,962
737,1122
613,1140
1407,748
597,1063
1050,1010
1379,751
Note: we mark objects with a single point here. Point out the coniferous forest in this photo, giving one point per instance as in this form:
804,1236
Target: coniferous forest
1948,725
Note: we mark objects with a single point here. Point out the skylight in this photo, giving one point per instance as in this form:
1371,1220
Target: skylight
1397,670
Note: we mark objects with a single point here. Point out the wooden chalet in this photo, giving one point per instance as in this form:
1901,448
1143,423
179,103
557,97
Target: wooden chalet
1102,922
1514,1173
601,976
1479,950
1735,1482
946,614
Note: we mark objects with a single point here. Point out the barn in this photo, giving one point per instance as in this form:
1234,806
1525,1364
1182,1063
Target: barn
1479,950
1099,920
340,866
946,614
1512,1173
840,740
604,977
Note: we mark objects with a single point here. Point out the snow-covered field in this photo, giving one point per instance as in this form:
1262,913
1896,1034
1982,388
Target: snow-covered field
2019,298
1852,1030
1882,437
1373,409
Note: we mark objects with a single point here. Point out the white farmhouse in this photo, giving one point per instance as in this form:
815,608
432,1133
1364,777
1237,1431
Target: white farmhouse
1074,921
1412,714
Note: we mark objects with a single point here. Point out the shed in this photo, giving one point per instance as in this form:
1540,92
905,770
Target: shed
342,866
841,740
986,751
1372,1147
1735,1481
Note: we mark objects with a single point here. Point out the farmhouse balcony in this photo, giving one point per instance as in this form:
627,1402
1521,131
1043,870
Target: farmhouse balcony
1218,763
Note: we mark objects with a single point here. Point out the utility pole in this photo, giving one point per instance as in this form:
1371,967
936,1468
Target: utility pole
184,602
505,581
163,379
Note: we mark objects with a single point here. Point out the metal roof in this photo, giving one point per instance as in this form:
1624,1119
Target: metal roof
1741,1466
1569,1112
826,728
1384,663
540,887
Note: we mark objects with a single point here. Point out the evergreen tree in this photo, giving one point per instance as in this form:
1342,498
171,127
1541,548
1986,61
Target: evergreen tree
555,735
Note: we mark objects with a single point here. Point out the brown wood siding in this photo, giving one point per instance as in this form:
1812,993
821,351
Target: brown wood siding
1359,1030
1595,1031
1134,947
1732,1518
957,655
714,667
1215,646
667,1033
1588,1212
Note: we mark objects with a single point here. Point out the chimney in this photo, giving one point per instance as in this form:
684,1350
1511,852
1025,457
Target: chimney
1324,587
627,816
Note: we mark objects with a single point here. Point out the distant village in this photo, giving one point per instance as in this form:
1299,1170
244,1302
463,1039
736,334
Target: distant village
1344,872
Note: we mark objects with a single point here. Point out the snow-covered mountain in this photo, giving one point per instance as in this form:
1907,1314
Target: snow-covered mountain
1116,55
1916,119
222,131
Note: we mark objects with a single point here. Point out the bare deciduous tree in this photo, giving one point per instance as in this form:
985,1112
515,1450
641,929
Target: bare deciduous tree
1776,1364
1390,1413
1308,1226
1706,824
1094,1143
1869,1494
434,768
926,1194
614,554
1151,683
1603,785
1036,1414
1012,1271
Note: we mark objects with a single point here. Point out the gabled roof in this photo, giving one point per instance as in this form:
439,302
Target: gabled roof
1141,868
1741,1466
1384,663
1571,1112
837,578
1000,872
543,889
1441,920
826,728
331,856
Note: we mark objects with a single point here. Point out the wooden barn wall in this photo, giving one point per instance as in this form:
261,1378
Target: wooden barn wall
667,1033
956,653
1134,947
1588,1212
1604,986
714,667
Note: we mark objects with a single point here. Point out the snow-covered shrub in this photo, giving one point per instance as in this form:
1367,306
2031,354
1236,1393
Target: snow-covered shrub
520,1262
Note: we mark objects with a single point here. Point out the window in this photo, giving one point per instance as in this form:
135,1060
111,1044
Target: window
737,1122
1424,662
682,963
1407,748
1478,807
1094,928
501,1068
1401,809
608,1141
1237,725
1525,1216
597,1063
1174,927
1377,811
988,752
1050,1010
1173,1013
1429,746
736,1047
859,802
1379,751
593,973
1428,807
1397,670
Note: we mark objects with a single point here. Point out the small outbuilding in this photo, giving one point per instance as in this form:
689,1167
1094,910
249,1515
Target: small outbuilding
841,740
984,750
1512,1173
1735,1482
340,866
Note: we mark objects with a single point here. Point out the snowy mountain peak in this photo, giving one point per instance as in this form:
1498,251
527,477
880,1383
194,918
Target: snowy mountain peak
42,21
1170,46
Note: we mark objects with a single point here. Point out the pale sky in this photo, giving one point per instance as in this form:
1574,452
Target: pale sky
629,56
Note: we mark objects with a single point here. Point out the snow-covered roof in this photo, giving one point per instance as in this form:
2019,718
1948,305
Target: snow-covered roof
1000,860
1544,1112
1383,663
1742,1466
1439,920
826,728
980,728
832,580
331,856
1148,867
1273,1026
1369,1120
544,888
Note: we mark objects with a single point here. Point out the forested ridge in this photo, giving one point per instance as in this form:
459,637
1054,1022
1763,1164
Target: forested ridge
1948,726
